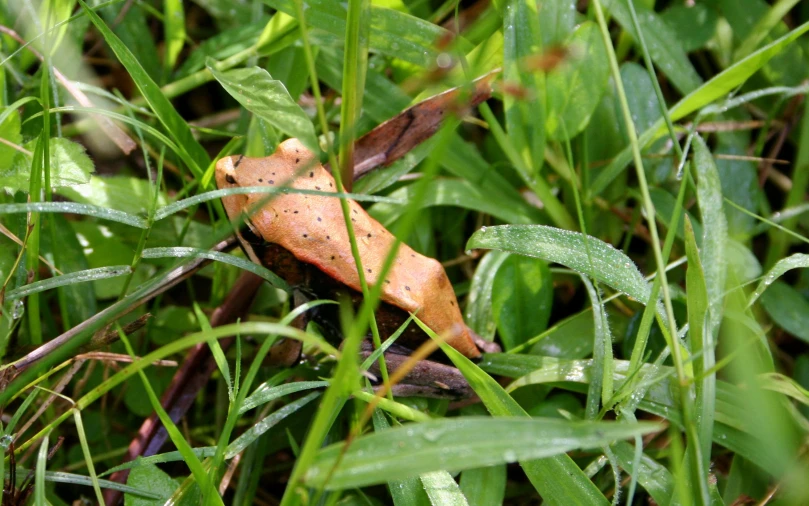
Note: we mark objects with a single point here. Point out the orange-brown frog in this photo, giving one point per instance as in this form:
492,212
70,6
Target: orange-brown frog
303,239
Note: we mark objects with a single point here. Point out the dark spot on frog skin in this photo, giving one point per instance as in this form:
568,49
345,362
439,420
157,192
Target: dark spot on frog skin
369,270
407,288
328,238
305,236
260,180
451,303
332,257
270,182
273,173
295,212
317,187
387,281
369,234
412,255
297,160
319,218
311,174
230,179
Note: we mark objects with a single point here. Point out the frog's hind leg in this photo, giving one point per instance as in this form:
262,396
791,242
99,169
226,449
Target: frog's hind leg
426,379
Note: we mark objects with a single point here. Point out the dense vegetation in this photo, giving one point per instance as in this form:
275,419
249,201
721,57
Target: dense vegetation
625,215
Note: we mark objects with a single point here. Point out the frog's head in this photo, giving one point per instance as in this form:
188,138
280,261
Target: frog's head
277,169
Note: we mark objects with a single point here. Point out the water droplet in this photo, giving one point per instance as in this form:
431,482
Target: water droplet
18,310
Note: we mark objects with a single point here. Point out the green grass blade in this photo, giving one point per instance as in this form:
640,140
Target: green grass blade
68,279
796,261
74,208
193,154
241,263
88,457
39,475
441,488
455,444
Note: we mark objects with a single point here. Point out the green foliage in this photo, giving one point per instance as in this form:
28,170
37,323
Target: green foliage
622,137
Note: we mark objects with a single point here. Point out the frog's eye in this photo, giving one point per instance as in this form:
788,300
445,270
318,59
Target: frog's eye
230,179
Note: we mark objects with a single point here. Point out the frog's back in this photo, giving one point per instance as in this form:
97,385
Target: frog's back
312,228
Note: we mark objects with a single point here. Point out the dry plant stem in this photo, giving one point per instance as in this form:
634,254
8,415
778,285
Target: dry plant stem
113,131
231,469
57,389
8,233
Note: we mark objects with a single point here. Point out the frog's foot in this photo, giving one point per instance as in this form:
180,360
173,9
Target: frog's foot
484,345
425,379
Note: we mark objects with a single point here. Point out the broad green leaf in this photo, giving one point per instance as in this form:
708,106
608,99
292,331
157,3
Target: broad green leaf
224,44
125,193
77,301
268,99
645,109
693,24
662,43
455,444
393,33
484,486
521,299
576,87
719,86
701,340
190,150
788,309
714,230
69,166
478,312
556,20
609,265
152,478
739,177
